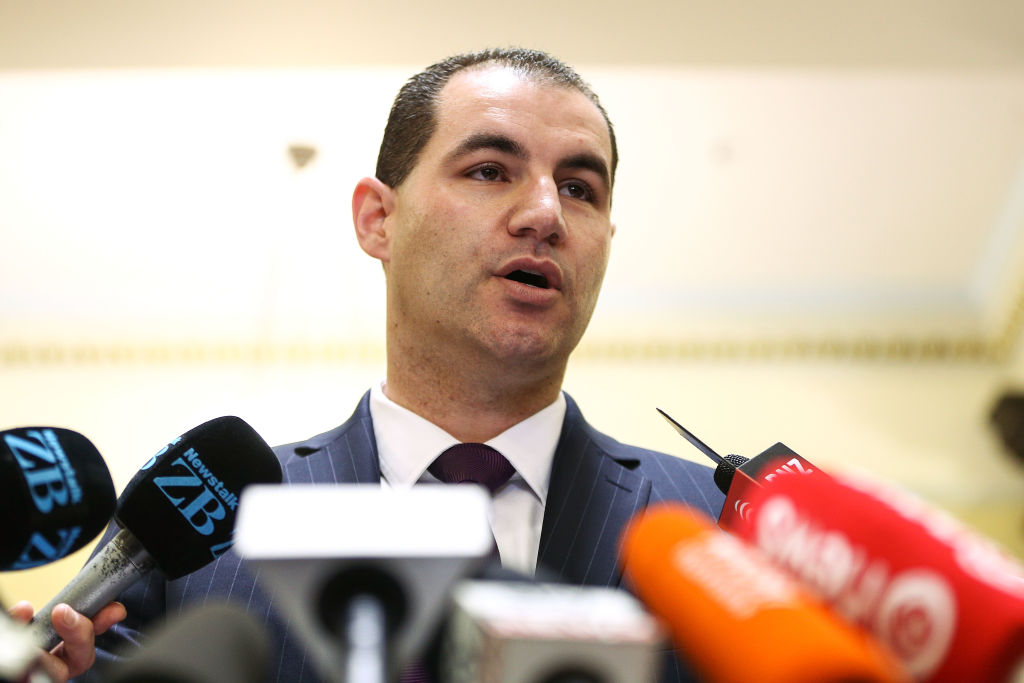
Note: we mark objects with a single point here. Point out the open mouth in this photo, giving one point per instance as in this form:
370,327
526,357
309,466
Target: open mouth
528,278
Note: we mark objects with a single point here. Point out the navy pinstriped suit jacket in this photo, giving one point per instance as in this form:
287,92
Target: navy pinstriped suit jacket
597,485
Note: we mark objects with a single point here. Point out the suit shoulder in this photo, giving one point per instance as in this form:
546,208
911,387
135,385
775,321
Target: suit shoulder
675,479
359,421
657,465
672,478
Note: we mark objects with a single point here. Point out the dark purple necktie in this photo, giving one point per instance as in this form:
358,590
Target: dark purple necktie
464,462
472,462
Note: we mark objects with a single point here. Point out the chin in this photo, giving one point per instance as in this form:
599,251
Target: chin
530,346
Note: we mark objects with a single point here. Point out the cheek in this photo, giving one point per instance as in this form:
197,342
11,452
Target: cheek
437,251
595,261
442,218
592,275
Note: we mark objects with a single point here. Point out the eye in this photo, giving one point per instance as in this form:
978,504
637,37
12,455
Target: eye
577,190
489,173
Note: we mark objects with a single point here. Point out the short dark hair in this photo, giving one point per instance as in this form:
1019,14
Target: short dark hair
413,116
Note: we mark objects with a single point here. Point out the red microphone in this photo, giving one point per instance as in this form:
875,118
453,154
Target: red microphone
738,477
736,617
947,602
762,470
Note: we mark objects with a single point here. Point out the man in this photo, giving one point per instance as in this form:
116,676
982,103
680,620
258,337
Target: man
490,213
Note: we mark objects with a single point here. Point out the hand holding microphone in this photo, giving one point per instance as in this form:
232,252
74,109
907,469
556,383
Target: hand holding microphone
177,514
56,495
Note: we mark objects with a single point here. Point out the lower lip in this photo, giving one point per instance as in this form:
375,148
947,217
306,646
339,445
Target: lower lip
529,295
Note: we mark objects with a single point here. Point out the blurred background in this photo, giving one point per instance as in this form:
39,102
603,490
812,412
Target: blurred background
820,210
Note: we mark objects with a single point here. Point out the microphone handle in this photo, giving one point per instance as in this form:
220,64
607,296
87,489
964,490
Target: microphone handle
114,568
364,630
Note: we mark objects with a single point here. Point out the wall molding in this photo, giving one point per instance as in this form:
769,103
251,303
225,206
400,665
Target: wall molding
963,349
966,348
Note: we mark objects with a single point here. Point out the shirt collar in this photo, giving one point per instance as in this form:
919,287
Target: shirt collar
408,443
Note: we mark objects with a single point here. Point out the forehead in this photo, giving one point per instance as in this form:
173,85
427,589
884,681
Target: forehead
496,98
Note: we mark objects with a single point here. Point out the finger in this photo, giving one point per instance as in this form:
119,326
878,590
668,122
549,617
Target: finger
54,668
78,651
108,616
22,611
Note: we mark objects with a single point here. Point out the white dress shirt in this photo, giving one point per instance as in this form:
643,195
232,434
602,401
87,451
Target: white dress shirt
408,443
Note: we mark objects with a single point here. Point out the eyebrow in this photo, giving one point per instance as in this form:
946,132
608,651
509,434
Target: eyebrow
589,162
478,141
506,145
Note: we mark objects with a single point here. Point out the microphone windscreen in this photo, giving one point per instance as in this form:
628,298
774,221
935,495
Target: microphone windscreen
948,602
182,504
733,615
56,495
212,644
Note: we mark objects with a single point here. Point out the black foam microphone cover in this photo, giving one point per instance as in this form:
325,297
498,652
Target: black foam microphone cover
181,505
217,643
56,495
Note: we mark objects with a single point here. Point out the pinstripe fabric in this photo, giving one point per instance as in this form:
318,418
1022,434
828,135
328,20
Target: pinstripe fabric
597,485
347,454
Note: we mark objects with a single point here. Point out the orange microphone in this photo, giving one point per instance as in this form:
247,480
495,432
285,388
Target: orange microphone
733,615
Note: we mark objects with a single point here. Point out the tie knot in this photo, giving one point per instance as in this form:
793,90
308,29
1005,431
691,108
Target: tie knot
472,462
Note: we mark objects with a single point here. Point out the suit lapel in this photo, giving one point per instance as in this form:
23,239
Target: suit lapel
344,455
591,497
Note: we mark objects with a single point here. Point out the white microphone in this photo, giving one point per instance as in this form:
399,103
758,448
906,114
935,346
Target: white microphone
364,574
19,654
522,632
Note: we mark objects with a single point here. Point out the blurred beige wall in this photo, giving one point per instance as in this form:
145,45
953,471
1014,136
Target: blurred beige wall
164,262
922,426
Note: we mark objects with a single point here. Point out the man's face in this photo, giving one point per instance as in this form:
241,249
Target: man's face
500,234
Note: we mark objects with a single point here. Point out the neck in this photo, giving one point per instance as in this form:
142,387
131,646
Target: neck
471,401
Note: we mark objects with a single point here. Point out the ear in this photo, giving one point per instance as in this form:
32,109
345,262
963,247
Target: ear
613,230
372,204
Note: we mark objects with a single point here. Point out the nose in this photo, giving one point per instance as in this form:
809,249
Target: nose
538,211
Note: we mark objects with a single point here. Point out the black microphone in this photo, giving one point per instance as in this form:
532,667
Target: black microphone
177,515
56,495
740,478
218,643
726,465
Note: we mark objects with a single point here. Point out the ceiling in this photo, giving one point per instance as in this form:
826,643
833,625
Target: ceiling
887,34
798,177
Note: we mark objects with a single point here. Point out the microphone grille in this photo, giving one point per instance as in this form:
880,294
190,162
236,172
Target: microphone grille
726,470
